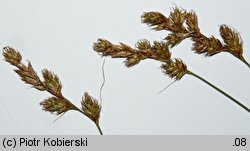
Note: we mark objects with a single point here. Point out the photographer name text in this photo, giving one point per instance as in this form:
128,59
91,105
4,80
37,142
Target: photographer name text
45,142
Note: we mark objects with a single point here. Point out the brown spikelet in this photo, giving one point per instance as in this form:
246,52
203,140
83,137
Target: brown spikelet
26,72
173,23
178,17
106,48
156,20
12,56
208,46
57,105
174,39
52,82
160,51
91,108
29,76
175,68
192,22
232,40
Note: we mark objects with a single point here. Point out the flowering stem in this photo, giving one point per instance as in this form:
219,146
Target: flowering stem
222,92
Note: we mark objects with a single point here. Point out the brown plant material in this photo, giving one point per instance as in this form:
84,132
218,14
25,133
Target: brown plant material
52,82
91,108
57,104
207,46
26,72
144,50
183,24
232,40
175,69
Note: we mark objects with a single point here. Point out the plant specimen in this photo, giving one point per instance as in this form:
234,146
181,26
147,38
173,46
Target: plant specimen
57,103
181,25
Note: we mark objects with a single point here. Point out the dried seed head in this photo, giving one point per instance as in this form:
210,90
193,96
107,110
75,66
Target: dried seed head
161,51
12,56
175,68
125,51
57,105
91,108
159,22
52,82
233,41
143,44
144,50
103,47
106,48
132,61
192,22
29,76
26,72
174,39
178,16
157,50
208,46
156,20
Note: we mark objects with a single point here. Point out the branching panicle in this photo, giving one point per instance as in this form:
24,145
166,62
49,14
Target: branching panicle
57,104
182,25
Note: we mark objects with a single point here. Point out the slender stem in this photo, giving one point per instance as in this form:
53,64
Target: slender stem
222,92
99,128
97,125
244,60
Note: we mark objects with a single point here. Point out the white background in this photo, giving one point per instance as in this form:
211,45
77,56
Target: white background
59,34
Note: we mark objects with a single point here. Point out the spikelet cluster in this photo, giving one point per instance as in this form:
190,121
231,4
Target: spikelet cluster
183,24
26,72
57,104
143,50
175,68
91,108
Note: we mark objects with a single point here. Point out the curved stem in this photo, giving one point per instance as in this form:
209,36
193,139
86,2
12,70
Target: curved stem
222,92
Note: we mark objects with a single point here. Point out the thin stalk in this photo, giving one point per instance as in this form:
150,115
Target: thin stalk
246,63
99,128
97,125
222,92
